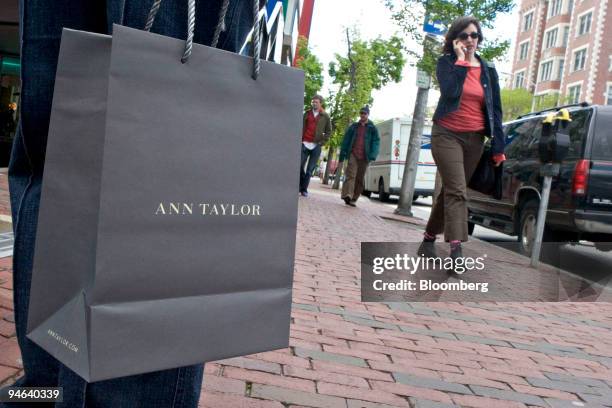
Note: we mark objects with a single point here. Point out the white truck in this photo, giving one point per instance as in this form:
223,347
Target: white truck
384,176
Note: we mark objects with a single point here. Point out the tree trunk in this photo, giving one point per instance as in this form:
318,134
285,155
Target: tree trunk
339,172
330,156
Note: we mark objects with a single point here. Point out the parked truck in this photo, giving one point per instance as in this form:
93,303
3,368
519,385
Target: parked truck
384,176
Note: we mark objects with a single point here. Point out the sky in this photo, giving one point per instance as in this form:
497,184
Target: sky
373,19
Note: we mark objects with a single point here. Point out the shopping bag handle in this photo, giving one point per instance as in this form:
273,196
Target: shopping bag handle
220,26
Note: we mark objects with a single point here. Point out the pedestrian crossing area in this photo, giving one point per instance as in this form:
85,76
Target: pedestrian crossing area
6,244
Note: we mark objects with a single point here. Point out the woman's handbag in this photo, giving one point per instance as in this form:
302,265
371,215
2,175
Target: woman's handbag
487,179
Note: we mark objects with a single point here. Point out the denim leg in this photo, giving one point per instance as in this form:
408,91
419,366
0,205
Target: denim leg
312,162
305,154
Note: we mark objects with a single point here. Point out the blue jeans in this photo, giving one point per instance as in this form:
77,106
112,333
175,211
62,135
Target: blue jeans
312,156
41,22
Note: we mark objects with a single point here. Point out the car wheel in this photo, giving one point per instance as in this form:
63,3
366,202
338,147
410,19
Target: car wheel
471,226
527,226
603,246
382,196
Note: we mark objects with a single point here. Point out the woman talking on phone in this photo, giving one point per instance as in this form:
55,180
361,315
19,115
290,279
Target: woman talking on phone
469,109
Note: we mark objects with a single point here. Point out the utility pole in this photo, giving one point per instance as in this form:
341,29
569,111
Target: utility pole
404,206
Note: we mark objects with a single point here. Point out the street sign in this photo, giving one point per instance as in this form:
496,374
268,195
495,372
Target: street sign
423,79
434,27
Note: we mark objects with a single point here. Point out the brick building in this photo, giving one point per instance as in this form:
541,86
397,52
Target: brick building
564,48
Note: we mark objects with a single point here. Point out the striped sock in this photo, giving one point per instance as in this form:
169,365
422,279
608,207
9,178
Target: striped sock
429,237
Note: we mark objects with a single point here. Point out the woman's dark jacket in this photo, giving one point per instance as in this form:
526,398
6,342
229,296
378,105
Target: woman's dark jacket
451,78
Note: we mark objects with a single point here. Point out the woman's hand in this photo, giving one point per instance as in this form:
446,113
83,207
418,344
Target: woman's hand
459,50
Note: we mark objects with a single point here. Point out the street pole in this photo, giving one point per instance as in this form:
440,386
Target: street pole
404,206
548,171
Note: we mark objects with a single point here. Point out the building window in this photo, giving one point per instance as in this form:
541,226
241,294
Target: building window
519,80
570,6
609,95
545,71
528,21
579,59
565,36
584,26
551,38
574,94
561,66
555,8
524,50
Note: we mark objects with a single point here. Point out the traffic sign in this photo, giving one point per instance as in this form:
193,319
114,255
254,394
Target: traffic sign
434,27
423,79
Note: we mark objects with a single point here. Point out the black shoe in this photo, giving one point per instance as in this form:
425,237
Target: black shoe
347,201
455,254
427,249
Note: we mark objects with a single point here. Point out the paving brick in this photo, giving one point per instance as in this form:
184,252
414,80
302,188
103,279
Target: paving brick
317,375
297,397
559,385
370,323
357,352
484,402
406,369
507,395
7,372
427,332
10,355
421,403
269,379
252,364
482,340
472,380
351,370
555,403
212,400
434,384
597,399
366,404
410,391
331,357
574,379
382,397
280,358
222,384
303,306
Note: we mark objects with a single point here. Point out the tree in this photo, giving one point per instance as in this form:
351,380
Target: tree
409,15
367,65
313,71
516,102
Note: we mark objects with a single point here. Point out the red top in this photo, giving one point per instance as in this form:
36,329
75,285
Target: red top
470,117
310,128
359,144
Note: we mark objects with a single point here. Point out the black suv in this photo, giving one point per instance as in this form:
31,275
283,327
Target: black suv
580,204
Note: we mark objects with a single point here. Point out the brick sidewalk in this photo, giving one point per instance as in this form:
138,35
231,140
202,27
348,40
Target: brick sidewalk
5,208
349,354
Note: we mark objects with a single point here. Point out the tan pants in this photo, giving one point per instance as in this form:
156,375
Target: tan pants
456,156
353,182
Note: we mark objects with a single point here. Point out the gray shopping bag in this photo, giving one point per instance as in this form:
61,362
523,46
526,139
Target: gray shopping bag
166,232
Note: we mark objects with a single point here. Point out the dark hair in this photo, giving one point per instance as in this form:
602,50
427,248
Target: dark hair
456,28
319,97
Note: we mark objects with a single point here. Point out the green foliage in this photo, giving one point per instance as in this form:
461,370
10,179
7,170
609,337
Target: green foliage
515,102
367,65
313,71
408,14
550,101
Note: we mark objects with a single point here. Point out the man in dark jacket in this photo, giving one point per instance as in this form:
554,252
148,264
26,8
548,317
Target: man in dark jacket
360,146
315,132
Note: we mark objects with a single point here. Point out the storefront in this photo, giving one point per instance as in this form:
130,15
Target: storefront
9,77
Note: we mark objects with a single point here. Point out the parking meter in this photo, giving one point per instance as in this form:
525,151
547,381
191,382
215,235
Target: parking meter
553,147
555,140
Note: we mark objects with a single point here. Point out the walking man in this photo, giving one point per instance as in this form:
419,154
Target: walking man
315,132
360,146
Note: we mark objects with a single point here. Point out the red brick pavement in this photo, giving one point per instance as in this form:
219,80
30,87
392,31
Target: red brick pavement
349,354
5,208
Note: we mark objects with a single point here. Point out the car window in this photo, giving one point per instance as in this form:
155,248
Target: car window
602,141
578,130
532,142
516,136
